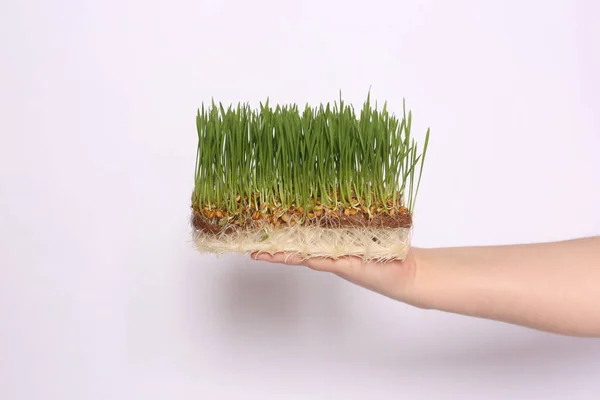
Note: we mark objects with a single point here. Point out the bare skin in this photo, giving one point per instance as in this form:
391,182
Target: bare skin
554,287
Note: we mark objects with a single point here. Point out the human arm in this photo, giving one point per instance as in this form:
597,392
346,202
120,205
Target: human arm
553,287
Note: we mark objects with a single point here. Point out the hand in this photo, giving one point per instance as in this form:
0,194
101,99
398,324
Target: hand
547,286
394,279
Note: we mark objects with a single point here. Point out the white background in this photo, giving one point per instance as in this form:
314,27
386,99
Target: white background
102,295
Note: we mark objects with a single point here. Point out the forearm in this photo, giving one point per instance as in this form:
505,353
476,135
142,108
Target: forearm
550,286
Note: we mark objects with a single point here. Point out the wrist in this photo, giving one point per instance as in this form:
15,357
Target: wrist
443,281
418,293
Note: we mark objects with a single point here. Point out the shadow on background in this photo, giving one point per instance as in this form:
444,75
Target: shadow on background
545,351
502,348
255,298
247,303
240,307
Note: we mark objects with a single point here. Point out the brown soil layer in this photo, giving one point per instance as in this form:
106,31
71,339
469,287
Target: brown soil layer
213,220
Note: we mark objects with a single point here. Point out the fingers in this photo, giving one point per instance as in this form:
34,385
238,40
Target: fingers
279,258
392,279
344,265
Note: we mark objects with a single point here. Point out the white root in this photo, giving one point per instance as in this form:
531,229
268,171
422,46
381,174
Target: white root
380,244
